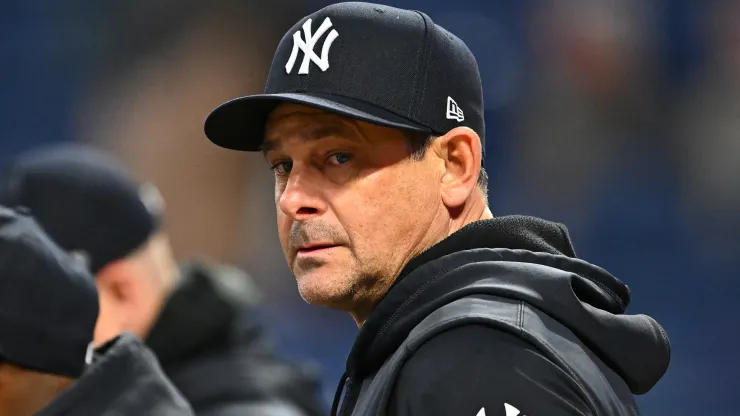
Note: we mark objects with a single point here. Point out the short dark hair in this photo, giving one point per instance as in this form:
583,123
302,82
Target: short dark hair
418,143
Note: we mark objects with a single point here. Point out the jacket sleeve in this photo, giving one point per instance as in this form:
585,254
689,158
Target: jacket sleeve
479,371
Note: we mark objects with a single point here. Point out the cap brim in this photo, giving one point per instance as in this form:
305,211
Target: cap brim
239,124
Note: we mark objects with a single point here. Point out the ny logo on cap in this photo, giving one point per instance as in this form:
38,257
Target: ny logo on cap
308,45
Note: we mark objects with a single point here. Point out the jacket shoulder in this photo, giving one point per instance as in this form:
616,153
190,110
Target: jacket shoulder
470,367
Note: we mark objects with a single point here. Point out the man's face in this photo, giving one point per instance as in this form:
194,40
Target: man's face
134,290
25,392
352,207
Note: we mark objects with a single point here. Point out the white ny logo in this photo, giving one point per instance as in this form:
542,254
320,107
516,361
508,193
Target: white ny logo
307,47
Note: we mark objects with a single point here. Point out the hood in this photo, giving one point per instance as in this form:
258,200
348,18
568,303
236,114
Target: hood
125,379
503,257
204,313
219,340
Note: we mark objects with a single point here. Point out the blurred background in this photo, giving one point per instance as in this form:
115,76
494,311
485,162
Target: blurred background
619,118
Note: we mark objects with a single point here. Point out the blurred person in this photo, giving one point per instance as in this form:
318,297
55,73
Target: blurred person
382,213
92,206
48,309
707,124
589,97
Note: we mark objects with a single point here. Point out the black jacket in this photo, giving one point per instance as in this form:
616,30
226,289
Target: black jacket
594,357
124,380
219,358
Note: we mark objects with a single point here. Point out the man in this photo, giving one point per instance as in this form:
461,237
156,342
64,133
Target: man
372,120
93,207
48,309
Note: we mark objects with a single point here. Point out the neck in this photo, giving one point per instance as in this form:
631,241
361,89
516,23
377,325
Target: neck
475,210
360,314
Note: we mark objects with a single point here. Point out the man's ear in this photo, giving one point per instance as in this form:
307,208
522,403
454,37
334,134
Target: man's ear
460,149
116,280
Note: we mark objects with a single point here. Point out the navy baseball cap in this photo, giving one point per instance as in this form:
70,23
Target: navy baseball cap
48,300
374,63
85,200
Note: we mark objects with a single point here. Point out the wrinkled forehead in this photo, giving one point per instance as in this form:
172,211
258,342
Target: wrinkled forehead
293,121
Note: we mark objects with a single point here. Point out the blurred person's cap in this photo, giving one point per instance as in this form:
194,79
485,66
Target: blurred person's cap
85,200
374,63
48,300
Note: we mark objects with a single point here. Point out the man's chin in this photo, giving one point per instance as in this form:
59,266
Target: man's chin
324,289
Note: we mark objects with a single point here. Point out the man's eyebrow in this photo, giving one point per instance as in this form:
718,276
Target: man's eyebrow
317,133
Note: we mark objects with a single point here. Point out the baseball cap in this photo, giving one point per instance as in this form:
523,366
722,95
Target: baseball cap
48,300
85,200
374,63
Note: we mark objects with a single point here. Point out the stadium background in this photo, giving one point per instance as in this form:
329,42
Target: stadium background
619,118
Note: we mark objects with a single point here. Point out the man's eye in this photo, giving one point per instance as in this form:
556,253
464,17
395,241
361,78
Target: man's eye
282,168
340,158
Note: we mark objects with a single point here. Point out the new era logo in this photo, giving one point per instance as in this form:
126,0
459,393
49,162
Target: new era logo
454,112
307,47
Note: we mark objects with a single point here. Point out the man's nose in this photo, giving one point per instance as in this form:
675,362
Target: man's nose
301,198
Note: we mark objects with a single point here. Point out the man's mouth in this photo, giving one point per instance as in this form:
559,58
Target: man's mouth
315,248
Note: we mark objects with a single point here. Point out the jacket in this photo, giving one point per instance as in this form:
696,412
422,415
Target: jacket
124,379
502,318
